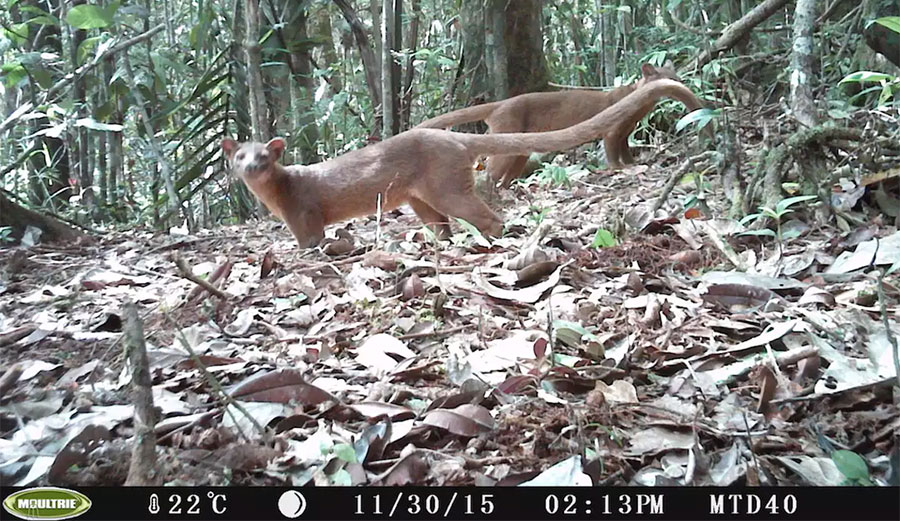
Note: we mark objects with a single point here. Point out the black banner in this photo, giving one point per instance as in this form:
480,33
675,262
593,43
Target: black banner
519,504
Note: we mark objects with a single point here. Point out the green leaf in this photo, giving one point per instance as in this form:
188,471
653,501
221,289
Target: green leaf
893,268
345,451
474,232
89,17
41,17
93,124
851,465
572,333
12,73
866,76
784,204
699,117
790,188
790,234
565,360
891,22
750,218
604,239
17,33
42,76
86,46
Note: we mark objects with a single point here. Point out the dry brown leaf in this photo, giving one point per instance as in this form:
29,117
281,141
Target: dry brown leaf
534,273
412,288
281,386
338,247
381,259
410,469
454,423
768,384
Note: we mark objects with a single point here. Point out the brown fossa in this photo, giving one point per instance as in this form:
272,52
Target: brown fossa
428,168
544,111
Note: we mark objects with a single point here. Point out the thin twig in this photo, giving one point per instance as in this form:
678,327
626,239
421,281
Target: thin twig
217,387
186,272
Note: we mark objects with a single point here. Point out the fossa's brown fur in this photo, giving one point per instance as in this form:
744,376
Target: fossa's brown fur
544,111
428,168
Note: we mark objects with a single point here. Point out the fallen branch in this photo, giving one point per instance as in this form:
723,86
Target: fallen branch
222,272
736,31
186,272
143,470
677,175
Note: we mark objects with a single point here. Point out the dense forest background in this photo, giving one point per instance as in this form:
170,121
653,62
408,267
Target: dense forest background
113,112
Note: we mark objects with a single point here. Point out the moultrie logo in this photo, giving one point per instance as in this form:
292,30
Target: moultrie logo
46,503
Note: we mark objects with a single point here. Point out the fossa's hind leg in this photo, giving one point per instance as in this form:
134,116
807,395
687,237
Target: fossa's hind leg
435,220
456,197
514,170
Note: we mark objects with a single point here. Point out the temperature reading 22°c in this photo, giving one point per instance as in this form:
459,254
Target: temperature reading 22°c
190,504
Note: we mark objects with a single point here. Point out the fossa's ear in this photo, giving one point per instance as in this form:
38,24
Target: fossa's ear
229,146
276,146
648,70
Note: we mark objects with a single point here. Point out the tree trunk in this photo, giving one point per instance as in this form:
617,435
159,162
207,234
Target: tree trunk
802,104
370,64
495,48
116,148
258,120
49,173
526,65
407,89
475,69
607,45
302,85
80,138
396,69
388,94
323,30
375,10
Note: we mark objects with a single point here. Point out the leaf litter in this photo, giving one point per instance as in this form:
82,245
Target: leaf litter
686,354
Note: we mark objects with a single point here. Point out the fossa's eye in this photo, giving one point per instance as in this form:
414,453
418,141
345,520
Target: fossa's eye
240,155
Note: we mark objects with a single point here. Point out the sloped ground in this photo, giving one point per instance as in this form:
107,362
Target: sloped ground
394,361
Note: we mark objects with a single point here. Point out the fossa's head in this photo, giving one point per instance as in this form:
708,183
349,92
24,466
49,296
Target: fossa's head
249,160
650,72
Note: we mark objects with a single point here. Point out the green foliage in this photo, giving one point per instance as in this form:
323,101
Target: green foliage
86,16
888,85
557,175
469,231
536,214
604,239
891,22
6,234
345,452
699,117
852,466
777,214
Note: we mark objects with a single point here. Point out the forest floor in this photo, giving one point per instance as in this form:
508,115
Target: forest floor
685,355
